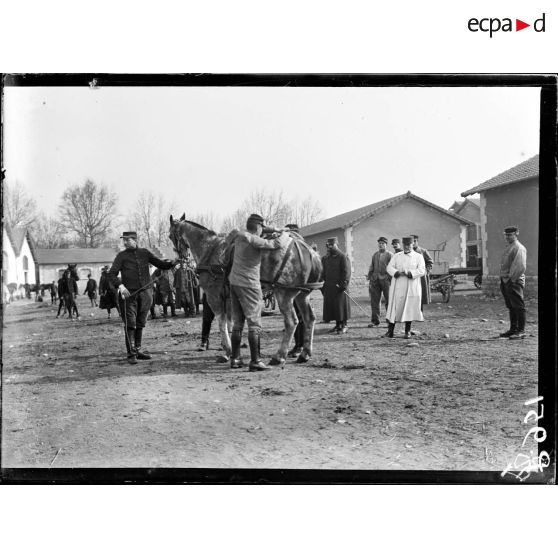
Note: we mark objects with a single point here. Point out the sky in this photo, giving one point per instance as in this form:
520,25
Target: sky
207,148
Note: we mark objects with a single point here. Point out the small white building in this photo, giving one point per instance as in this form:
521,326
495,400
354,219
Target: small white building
18,257
53,261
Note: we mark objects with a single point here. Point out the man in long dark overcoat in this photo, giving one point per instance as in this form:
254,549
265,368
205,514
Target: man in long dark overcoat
336,277
425,279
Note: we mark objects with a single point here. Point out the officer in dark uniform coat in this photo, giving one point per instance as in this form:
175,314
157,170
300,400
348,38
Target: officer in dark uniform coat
336,277
425,279
135,289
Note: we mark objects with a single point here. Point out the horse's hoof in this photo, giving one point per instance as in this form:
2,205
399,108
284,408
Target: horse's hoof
302,359
222,359
276,361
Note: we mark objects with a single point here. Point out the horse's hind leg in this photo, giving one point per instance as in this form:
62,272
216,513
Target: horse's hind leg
285,299
308,319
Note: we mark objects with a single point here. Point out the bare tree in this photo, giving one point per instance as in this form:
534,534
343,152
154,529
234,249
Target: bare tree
87,211
20,209
150,219
275,209
48,232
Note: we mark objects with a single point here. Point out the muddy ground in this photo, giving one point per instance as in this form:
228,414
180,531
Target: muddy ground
455,401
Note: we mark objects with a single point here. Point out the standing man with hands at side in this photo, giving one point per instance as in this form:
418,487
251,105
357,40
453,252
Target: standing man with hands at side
134,289
379,279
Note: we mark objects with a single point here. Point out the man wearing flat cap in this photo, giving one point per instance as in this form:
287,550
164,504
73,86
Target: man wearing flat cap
336,276
512,282
380,280
406,268
246,290
134,288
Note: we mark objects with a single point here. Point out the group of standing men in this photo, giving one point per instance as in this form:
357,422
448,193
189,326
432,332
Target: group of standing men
401,277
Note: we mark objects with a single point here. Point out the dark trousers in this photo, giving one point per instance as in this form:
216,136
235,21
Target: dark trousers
513,298
376,289
133,312
299,331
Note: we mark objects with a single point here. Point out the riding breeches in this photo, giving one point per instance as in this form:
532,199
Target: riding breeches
134,310
246,305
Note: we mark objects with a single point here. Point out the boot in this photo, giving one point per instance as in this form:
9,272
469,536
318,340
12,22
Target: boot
513,325
391,328
519,333
256,363
236,339
141,355
408,330
130,346
173,310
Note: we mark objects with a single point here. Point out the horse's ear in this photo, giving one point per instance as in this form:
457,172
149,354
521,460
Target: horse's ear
171,219
183,218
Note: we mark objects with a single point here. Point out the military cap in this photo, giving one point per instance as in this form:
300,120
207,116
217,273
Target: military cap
511,229
255,218
415,236
407,240
130,234
382,239
292,227
332,240
396,241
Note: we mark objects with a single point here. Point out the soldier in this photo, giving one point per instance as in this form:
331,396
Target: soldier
246,291
379,279
91,290
396,244
512,283
336,277
134,287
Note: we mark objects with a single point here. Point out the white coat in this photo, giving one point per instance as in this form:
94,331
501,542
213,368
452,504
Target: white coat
404,293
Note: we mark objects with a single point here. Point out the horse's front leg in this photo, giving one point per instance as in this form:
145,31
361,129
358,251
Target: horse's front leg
285,299
309,320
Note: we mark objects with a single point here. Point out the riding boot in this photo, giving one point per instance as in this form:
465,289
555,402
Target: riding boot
391,328
519,333
173,310
236,339
130,346
256,363
408,330
513,324
141,355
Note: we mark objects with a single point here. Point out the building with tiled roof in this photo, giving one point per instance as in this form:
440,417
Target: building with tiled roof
18,256
470,209
441,231
52,262
509,198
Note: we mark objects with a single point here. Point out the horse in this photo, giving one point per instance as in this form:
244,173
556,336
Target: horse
292,271
67,291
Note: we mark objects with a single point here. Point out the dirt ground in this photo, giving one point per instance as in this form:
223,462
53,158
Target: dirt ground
451,399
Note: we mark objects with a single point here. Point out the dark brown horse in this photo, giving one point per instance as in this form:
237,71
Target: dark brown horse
67,292
292,271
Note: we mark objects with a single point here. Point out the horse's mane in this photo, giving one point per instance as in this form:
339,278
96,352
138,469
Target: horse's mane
198,226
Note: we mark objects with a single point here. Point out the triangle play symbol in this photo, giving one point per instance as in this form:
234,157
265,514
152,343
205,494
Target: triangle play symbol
519,25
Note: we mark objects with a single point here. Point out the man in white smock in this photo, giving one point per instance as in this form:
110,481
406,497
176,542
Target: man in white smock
406,269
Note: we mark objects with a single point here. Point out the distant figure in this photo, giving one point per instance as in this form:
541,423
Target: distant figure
512,283
380,280
406,268
336,277
107,293
91,290
185,286
53,293
165,290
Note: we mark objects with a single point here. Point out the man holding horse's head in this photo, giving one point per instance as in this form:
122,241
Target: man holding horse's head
134,288
246,290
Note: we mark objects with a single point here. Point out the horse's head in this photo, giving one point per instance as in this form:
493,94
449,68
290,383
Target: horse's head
176,236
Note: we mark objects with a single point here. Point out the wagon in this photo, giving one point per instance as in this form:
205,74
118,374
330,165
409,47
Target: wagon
443,284
475,271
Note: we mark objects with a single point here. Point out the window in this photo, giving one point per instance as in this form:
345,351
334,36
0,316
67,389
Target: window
472,233
84,272
25,263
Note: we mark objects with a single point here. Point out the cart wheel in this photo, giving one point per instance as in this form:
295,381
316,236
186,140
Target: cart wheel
478,281
446,293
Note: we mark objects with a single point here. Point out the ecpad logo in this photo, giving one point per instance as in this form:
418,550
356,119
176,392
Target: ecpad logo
492,25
